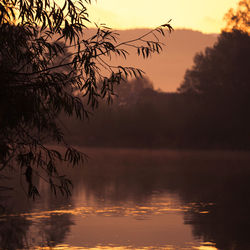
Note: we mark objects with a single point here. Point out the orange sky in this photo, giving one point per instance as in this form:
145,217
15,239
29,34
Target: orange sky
167,70
202,15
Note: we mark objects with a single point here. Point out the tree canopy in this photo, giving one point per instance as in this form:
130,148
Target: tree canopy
222,68
219,84
239,18
49,66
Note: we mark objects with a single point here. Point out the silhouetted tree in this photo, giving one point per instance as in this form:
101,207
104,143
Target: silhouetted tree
46,64
219,81
222,68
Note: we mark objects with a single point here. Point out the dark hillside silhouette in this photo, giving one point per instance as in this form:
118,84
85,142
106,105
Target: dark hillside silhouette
209,111
143,117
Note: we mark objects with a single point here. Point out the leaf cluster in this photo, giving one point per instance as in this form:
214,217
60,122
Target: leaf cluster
239,18
48,67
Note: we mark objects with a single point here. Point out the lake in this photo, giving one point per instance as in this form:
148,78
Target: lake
137,199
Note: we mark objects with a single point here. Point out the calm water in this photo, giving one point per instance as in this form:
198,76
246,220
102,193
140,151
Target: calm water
138,199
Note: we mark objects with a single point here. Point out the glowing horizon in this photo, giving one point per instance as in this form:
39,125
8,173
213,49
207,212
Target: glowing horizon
204,16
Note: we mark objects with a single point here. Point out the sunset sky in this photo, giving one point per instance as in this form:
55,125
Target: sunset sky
202,15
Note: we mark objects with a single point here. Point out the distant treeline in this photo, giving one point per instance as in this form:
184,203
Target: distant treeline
143,117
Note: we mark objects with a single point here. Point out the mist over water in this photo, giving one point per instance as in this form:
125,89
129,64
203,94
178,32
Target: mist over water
132,198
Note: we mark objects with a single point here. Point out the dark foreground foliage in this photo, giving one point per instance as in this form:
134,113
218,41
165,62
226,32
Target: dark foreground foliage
49,67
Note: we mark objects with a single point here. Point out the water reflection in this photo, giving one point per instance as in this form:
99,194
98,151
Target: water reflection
122,195
13,232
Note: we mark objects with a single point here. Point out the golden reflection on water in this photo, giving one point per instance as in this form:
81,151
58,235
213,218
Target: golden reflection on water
159,206
65,246
141,200
205,246
134,211
154,208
